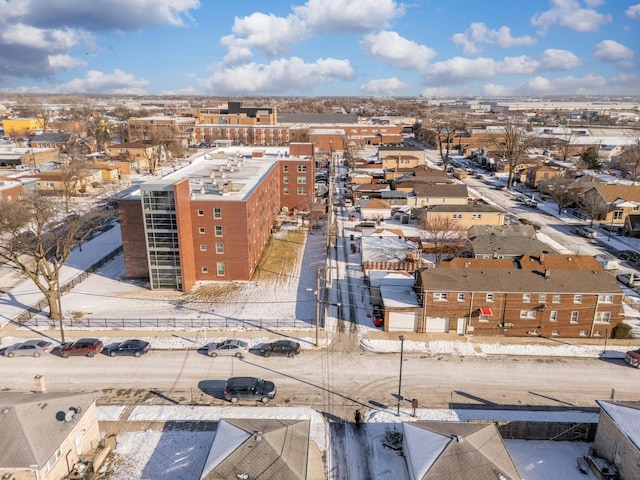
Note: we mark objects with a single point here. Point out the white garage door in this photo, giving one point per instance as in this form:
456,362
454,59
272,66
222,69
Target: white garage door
403,321
437,324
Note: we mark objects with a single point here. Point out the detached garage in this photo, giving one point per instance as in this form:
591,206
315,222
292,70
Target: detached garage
437,324
402,309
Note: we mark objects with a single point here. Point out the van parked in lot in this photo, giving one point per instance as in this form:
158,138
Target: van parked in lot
587,232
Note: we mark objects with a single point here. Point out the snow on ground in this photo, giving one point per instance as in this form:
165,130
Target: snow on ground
110,413
181,455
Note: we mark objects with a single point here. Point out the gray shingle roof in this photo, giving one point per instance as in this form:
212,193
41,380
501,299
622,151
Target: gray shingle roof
33,426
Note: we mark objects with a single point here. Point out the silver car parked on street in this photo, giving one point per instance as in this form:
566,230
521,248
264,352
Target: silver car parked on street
29,348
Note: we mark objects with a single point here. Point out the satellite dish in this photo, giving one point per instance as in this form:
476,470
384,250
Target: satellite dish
70,415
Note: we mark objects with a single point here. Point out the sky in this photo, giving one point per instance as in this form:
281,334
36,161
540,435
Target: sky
321,47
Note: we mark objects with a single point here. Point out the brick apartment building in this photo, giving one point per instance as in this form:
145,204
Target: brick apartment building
552,295
212,220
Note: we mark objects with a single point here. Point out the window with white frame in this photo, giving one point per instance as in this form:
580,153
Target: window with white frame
527,314
577,299
533,332
597,333
605,298
220,269
302,169
285,168
583,333
201,213
526,298
555,299
457,216
575,315
285,190
553,316
476,216
217,213
285,179
603,317
203,248
489,297
202,230
219,247
205,269
301,180
440,296
555,332
218,230
542,297
461,297
302,191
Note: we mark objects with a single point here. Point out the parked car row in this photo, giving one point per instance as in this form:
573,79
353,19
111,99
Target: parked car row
235,347
84,347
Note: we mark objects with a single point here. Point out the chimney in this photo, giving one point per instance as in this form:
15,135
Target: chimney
547,272
39,385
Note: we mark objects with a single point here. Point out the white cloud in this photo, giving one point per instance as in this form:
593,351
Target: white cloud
66,62
633,12
612,51
40,38
588,85
384,87
522,65
278,77
118,82
554,59
458,70
397,51
570,14
237,55
272,35
438,92
479,33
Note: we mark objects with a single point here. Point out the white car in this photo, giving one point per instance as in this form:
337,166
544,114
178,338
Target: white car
230,347
30,348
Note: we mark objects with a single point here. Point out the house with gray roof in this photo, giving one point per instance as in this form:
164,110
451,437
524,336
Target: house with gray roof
46,435
505,241
460,451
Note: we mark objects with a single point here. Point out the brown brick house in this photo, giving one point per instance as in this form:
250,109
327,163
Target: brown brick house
551,295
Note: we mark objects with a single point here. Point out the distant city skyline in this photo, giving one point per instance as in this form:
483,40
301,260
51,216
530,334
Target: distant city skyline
320,47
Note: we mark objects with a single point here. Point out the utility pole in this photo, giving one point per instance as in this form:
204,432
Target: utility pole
319,299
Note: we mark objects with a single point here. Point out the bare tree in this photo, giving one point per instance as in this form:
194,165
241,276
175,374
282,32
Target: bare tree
513,143
560,189
446,234
630,160
593,206
445,129
38,238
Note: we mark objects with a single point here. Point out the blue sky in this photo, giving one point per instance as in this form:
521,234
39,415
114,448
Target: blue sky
321,47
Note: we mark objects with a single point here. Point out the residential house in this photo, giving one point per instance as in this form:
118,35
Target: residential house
264,448
46,435
388,253
109,171
461,451
467,215
422,174
130,156
614,202
402,155
541,174
12,190
374,209
61,141
552,295
618,437
632,225
429,194
368,191
57,181
401,309
505,241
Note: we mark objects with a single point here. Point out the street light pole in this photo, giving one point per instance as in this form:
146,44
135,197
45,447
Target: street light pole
400,378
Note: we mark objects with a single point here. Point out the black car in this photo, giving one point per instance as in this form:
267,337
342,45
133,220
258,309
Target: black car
133,347
628,255
248,388
287,348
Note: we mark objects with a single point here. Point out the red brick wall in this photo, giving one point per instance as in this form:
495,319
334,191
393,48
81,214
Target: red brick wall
182,194
134,244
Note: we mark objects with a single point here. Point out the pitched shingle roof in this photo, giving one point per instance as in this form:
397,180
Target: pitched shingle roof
611,193
441,190
33,425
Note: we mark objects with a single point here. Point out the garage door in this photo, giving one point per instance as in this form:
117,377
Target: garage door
403,322
437,324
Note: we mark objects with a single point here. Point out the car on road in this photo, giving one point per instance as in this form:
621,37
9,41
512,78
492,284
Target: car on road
287,348
629,279
133,346
229,347
85,346
29,348
632,357
586,232
378,317
628,255
248,388
362,225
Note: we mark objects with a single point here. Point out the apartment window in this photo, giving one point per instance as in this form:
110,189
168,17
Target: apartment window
302,191
220,269
440,296
577,299
219,247
574,316
217,213
48,184
205,269
603,317
301,180
555,299
201,213
489,297
605,298
285,168
203,248
553,316
527,314
526,298
457,216
218,230
201,230
583,333
542,298
302,169
285,179
285,190
533,332
461,297
476,216
555,332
